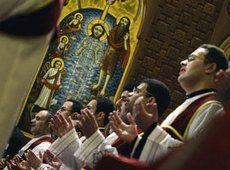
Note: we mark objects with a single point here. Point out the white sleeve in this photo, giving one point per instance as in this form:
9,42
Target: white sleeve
202,118
158,143
94,148
42,147
48,167
65,147
45,167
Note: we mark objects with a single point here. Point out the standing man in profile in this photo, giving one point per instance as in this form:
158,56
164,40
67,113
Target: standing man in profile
118,49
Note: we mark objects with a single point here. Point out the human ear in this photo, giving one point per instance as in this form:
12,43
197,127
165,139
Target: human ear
100,116
210,68
150,101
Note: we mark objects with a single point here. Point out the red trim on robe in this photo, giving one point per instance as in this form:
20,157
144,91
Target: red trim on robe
182,120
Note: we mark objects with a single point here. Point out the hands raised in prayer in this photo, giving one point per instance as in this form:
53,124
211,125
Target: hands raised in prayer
87,122
4,161
61,126
126,132
223,85
142,117
32,159
17,163
52,159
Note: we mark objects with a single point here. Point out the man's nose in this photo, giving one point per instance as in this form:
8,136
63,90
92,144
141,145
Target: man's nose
184,62
58,111
118,102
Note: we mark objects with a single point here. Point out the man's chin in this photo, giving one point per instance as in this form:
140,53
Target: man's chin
32,129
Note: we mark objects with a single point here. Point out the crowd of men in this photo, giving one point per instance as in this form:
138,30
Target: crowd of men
132,137
129,136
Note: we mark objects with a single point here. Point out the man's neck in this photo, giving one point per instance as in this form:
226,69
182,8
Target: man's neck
193,87
37,136
199,92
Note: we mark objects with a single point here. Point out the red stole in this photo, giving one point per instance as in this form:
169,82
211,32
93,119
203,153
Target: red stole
39,141
179,126
36,143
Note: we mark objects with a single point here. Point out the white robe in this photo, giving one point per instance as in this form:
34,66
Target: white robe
160,142
42,147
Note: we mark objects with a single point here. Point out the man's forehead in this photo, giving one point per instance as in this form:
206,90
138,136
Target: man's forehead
142,86
125,93
67,104
199,52
42,114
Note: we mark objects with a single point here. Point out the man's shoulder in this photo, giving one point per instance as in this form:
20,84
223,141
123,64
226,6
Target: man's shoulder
42,139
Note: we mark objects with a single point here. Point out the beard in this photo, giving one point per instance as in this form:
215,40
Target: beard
119,34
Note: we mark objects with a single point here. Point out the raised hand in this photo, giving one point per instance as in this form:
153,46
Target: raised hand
18,165
11,165
4,161
32,159
52,159
143,118
23,165
124,131
223,85
87,122
14,163
61,126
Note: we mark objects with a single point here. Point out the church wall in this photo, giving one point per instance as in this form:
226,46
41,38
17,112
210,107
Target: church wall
171,30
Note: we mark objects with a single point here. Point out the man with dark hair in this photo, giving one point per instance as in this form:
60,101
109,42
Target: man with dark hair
89,125
215,55
156,89
101,107
96,145
209,150
69,142
153,97
123,101
76,106
69,107
42,139
196,77
106,106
